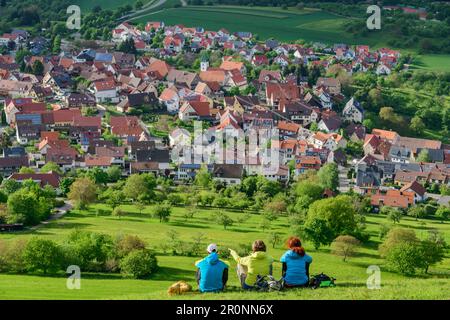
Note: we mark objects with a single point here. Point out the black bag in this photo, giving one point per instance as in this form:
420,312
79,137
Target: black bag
321,281
268,283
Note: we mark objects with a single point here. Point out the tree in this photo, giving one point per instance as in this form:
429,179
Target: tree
203,177
392,214
396,236
223,219
140,205
369,124
275,207
51,167
42,255
117,212
417,212
265,223
89,250
243,217
328,218
24,207
345,246
128,243
433,249
38,68
98,175
274,239
405,258
128,46
329,176
318,232
443,213
26,170
162,211
83,192
139,185
114,173
56,44
113,198
417,125
65,184
10,186
138,5
139,264
423,156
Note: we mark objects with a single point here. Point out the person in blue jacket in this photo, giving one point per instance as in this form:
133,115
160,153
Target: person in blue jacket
212,273
296,263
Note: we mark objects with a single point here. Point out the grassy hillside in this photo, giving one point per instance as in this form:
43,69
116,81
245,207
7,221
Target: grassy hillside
351,275
110,4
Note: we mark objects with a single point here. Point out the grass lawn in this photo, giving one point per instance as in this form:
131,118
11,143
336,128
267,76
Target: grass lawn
438,62
351,275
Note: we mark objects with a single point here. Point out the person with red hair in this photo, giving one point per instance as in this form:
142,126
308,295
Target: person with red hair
295,264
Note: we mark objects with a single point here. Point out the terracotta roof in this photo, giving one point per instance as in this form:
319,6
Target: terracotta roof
66,115
105,85
94,161
217,75
81,121
385,134
231,65
288,126
50,178
416,187
390,201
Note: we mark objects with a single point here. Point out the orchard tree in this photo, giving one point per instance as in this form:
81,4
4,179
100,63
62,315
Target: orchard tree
203,177
162,211
443,212
345,246
139,185
42,255
118,212
392,214
223,219
433,249
329,218
274,239
113,198
83,192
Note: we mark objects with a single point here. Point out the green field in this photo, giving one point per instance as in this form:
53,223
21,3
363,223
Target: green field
285,25
110,4
438,62
351,275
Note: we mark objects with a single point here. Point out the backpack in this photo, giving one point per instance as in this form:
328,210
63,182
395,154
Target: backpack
321,281
268,283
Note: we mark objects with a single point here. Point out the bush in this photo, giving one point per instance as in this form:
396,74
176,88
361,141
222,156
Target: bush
11,256
42,255
89,250
139,264
125,244
405,257
345,246
396,236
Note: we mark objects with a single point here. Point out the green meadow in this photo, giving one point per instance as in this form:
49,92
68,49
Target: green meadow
351,275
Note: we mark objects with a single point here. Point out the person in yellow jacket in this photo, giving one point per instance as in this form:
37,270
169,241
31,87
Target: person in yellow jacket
257,263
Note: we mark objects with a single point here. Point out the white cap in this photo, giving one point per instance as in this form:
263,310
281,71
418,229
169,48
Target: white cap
212,247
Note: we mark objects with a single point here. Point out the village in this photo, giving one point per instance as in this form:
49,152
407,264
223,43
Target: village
97,108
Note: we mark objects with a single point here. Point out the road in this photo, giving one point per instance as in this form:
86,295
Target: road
61,212
344,182
148,7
